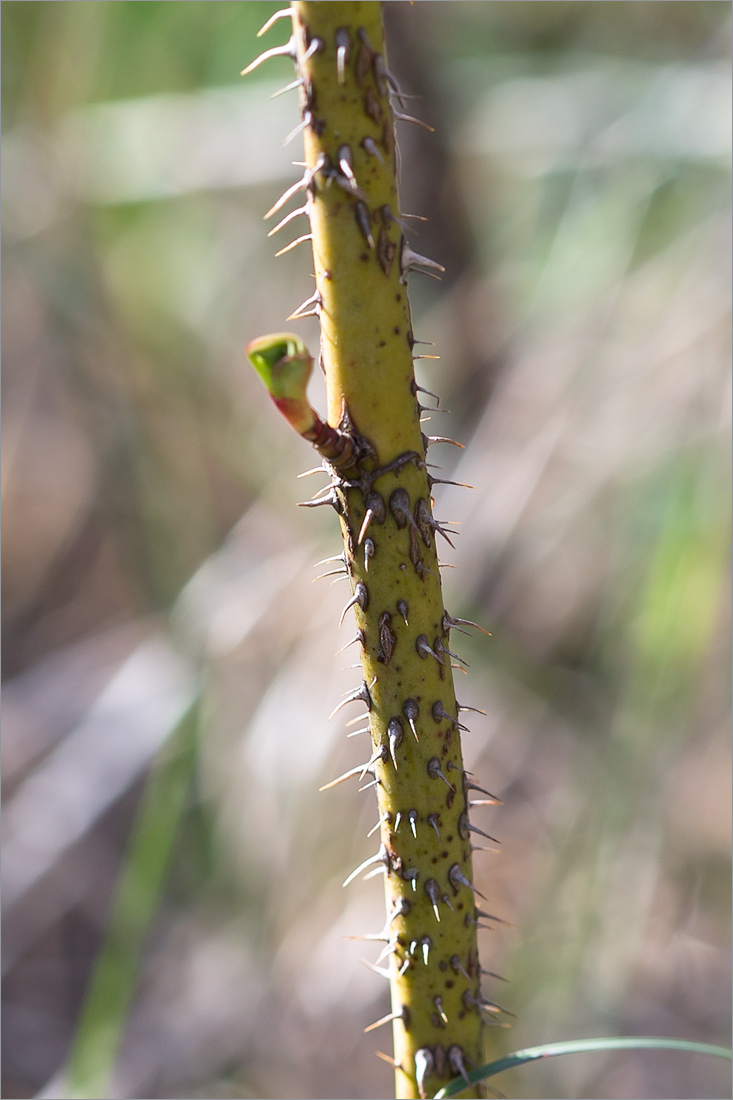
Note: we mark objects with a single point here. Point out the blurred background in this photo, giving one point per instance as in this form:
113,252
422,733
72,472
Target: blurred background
174,923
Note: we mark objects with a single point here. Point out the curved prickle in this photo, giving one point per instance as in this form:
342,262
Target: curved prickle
411,711
395,734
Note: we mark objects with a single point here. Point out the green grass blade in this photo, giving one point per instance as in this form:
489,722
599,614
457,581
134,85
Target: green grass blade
105,1011
577,1046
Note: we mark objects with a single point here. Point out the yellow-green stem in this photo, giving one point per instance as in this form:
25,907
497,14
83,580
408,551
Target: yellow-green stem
361,264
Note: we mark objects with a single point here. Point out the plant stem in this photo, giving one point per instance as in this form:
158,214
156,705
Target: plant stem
385,509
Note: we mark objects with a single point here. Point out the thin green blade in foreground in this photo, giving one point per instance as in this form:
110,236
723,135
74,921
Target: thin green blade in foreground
114,978
577,1046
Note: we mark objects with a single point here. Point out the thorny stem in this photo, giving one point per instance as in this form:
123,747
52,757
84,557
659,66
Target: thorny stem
384,503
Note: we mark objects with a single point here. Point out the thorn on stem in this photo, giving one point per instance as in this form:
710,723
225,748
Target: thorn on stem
411,711
360,597
281,14
288,50
435,772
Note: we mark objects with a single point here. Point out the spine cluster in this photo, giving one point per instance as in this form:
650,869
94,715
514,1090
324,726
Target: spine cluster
380,485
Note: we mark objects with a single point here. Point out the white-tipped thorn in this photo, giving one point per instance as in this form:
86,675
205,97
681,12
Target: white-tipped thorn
324,493
293,190
358,637
381,970
399,117
371,149
383,818
433,891
439,526
361,213
401,909
380,857
330,573
440,715
373,873
359,718
425,944
380,753
403,610
411,876
369,549
438,1002
424,1067
346,164
288,50
360,694
470,1001
411,711
288,87
491,916
333,557
360,597
386,1019
395,735
311,307
456,1062
476,710
343,52
481,1002
301,185
468,785
423,648
273,19
316,46
457,966
364,729
492,974
389,948
358,770
435,773
480,832
457,879
369,516
446,481
451,620
441,648
445,439
388,1059
421,389
294,244
399,506
413,261
285,221
314,470
375,512
412,818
